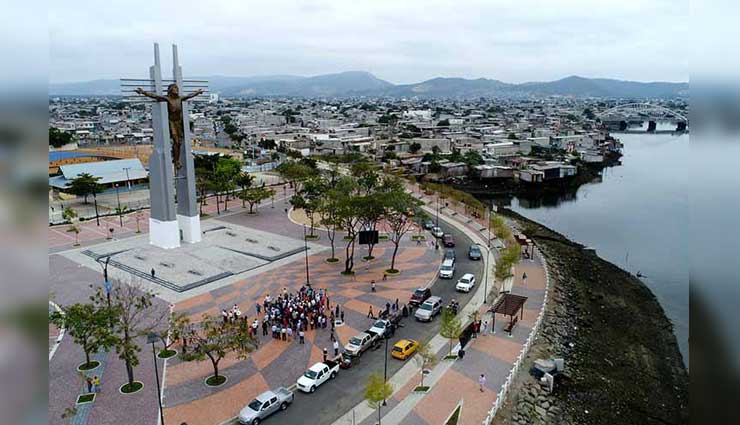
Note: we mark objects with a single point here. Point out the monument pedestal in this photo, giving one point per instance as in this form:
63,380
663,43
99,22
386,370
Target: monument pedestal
190,227
164,234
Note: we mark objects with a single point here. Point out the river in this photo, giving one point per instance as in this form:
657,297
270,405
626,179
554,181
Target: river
637,217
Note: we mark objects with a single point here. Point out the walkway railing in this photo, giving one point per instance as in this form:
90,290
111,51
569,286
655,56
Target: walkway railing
501,398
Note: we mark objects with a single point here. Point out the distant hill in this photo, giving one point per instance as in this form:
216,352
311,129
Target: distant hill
363,83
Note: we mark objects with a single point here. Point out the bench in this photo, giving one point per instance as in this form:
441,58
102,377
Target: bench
509,326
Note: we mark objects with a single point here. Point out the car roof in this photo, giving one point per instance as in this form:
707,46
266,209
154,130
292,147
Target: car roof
474,246
265,396
317,367
402,343
447,262
420,289
468,276
432,299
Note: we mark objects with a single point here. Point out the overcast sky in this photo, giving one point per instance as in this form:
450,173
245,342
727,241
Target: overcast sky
402,41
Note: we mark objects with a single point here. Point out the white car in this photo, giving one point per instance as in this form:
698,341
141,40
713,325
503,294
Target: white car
466,283
437,232
317,375
447,270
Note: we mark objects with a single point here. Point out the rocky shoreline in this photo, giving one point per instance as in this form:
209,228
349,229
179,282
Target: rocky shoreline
622,362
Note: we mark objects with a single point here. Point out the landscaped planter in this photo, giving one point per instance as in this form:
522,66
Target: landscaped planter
94,364
124,389
422,389
85,398
216,381
166,354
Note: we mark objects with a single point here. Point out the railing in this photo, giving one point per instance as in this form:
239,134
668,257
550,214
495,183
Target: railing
525,349
87,212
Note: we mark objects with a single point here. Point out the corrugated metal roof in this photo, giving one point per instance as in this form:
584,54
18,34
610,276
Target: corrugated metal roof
108,171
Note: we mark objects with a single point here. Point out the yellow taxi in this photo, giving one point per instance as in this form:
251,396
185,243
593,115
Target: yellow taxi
404,348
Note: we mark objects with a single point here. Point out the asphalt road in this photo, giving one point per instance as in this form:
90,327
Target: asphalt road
335,397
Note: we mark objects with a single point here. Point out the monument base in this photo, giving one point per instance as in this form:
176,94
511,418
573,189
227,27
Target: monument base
164,234
190,227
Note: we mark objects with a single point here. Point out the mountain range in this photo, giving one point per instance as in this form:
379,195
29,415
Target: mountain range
358,83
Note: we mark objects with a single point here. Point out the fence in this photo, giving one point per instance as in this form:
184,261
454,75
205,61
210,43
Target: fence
525,349
86,212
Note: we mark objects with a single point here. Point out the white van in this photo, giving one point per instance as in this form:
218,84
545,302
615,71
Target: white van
447,269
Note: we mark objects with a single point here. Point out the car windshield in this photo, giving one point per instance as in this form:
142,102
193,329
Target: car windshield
255,405
397,349
446,268
379,324
425,306
474,250
355,341
310,374
419,293
464,280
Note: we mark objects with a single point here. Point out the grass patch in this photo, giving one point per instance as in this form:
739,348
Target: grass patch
332,260
215,381
88,366
392,271
450,357
383,237
205,215
130,389
368,257
346,238
348,273
422,388
85,398
166,354
418,238
454,418
312,237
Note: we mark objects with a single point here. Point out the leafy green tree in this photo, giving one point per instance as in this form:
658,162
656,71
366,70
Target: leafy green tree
456,156
376,391
327,210
87,324
348,216
425,357
443,123
177,323
255,196
414,147
472,158
451,328
224,179
59,138
399,209
132,316
512,136
295,172
85,185
309,198
244,180
213,339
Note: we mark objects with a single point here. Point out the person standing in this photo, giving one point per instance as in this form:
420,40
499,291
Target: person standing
336,348
481,382
96,384
485,327
326,353
370,314
152,272
89,382
301,337
258,307
341,316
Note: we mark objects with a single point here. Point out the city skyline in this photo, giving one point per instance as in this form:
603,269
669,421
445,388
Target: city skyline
395,42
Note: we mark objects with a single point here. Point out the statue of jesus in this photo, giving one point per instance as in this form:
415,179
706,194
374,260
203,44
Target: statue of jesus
174,112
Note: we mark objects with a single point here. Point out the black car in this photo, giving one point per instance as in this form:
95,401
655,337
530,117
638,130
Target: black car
474,252
449,255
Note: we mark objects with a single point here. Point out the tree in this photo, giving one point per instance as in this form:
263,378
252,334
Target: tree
214,339
376,391
414,147
309,198
443,123
327,210
347,216
512,136
588,113
255,196
295,172
71,215
224,179
84,185
177,323
370,209
244,181
59,138
88,325
425,357
472,158
398,214
451,328
132,317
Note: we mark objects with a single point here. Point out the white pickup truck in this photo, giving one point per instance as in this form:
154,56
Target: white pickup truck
317,375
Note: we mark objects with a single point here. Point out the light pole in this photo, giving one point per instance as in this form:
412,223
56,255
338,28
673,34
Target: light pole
436,239
95,201
118,200
305,245
152,338
106,282
385,365
128,179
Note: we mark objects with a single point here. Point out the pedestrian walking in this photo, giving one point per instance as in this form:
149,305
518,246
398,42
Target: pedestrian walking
372,285
481,382
258,308
152,272
301,337
336,348
485,327
225,316
264,327
341,316
284,334
290,334
326,353
370,314
461,353
96,384
89,382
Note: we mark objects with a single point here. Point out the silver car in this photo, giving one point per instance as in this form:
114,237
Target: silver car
265,405
428,309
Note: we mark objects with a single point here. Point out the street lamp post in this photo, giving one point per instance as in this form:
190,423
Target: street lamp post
436,239
385,365
128,179
118,200
106,282
152,338
305,246
95,201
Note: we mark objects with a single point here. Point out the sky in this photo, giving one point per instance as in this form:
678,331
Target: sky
400,41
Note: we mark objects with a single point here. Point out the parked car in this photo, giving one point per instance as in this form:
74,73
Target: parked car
474,252
383,328
428,224
419,296
428,309
465,283
437,232
317,375
448,240
265,405
447,269
449,255
404,348
359,343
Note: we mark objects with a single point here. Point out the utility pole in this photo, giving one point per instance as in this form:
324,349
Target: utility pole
118,200
128,179
152,338
305,245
